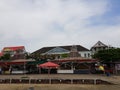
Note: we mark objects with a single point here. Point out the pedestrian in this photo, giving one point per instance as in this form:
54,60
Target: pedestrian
107,73
0,70
102,68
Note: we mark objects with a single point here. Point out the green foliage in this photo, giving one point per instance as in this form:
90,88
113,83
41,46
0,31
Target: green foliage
109,55
64,55
27,55
5,57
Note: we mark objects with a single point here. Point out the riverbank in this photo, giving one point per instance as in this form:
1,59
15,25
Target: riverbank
113,78
57,87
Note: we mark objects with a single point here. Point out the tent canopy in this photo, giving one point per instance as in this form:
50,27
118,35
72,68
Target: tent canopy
48,65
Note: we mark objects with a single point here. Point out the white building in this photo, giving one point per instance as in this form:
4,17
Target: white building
99,46
60,50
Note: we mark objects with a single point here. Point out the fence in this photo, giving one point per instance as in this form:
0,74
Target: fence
53,81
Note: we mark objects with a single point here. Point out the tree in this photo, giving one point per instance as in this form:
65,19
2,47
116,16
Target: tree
64,55
27,55
5,57
109,55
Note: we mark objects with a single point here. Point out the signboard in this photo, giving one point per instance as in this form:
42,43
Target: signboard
117,66
7,49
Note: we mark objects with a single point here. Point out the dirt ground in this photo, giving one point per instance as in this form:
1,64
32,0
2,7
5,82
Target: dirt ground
58,87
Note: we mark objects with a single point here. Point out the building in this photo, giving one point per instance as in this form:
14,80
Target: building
72,59
16,52
98,46
16,64
63,51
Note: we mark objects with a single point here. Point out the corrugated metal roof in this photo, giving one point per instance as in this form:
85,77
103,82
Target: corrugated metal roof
46,49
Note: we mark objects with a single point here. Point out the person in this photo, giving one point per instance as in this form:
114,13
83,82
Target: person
0,70
10,70
107,72
102,68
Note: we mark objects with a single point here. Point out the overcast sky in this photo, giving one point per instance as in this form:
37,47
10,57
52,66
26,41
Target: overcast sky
41,23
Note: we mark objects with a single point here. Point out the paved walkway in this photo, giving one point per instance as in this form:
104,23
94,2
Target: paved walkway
113,79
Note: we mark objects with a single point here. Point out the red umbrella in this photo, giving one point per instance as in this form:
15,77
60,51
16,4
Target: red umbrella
48,65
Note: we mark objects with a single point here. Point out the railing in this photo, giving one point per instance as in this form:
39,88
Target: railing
54,81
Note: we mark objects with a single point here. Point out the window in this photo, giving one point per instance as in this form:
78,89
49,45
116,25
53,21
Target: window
88,54
85,55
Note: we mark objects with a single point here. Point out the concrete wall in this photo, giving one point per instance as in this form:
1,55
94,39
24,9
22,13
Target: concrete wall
85,54
65,71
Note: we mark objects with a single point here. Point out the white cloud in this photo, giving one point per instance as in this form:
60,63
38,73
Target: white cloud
38,23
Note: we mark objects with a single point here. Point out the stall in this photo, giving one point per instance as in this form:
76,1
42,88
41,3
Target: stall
49,66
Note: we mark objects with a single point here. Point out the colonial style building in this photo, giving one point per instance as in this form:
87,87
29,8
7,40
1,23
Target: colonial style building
63,51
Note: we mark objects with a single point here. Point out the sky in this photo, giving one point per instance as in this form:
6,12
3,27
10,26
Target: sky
44,23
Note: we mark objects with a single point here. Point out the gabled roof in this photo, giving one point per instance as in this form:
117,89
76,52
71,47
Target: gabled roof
46,49
99,44
13,48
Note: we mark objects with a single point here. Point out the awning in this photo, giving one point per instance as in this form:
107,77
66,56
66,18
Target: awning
36,62
76,59
18,61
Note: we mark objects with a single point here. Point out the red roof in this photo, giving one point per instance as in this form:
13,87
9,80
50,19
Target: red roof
13,48
49,65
